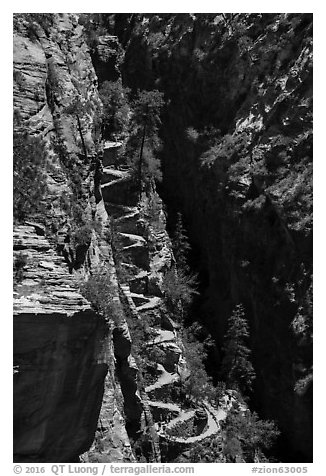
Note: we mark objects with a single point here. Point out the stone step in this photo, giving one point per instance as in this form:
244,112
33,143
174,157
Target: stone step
163,337
128,239
165,378
168,406
110,175
130,224
118,211
153,303
114,182
139,283
139,299
111,150
120,191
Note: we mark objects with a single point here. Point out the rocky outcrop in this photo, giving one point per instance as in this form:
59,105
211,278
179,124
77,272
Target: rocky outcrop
111,443
63,348
107,57
60,355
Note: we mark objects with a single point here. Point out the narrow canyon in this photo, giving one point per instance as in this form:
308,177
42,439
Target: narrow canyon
162,264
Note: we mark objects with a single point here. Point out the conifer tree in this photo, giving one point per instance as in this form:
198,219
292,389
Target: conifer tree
181,244
179,283
77,108
236,366
145,123
116,109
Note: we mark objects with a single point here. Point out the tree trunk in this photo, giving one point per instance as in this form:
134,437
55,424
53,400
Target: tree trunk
81,136
140,160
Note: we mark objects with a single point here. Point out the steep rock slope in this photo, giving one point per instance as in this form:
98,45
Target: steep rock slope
63,349
237,159
237,162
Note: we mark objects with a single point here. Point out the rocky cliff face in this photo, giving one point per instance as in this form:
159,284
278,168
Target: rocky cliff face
237,160
75,376
63,349
60,360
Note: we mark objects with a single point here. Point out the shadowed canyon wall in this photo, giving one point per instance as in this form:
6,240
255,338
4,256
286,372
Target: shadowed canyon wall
237,161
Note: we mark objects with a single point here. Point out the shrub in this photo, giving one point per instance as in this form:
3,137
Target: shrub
82,235
78,108
29,170
207,451
198,385
247,435
227,149
192,134
93,28
155,41
19,264
114,97
151,167
155,354
179,287
154,211
98,289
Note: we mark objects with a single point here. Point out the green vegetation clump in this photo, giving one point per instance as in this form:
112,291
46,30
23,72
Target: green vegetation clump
29,181
78,108
95,25
192,135
227,150
198,385
236,368
76,172
247,436
116,114
244,438
20,262
184,429
179,287
208,451
145,356
82,234
144,142
179,283
180,244
99,291
74,203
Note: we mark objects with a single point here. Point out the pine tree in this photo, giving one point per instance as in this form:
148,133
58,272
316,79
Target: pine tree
145,123
236,366
180,244
179,289
116,110
179,283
